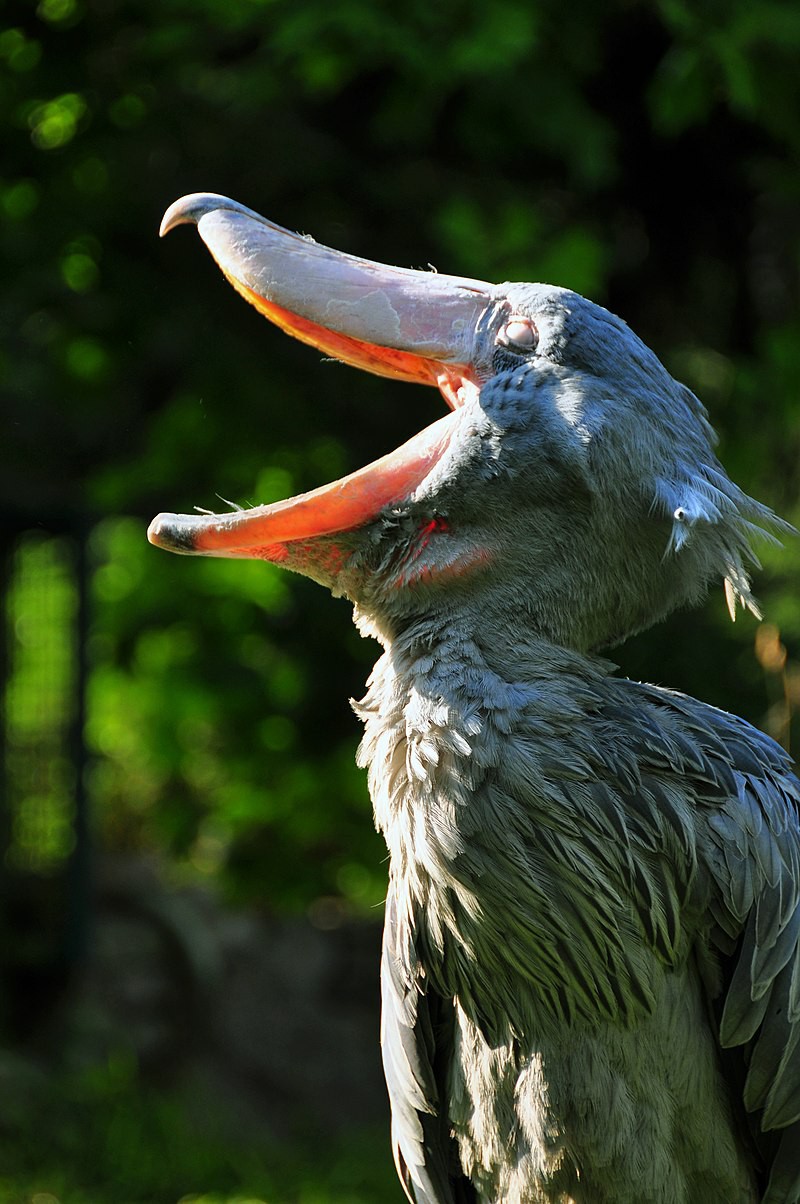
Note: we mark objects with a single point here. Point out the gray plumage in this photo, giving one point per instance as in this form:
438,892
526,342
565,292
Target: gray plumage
591,961
575,858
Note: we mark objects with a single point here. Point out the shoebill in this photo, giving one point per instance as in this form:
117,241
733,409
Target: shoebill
591,967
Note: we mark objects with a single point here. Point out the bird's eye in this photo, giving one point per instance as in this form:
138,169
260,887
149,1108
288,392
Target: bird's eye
518,334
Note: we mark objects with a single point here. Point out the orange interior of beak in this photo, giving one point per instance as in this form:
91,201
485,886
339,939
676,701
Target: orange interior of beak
383,361
342,505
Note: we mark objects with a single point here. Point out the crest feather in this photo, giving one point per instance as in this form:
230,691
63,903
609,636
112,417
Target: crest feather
720,523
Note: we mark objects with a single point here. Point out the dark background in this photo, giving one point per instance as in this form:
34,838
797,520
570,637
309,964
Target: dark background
191,881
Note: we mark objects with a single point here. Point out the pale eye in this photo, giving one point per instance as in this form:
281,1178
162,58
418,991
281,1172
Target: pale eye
519,334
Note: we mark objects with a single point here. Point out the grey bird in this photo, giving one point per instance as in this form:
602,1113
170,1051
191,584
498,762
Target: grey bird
591,965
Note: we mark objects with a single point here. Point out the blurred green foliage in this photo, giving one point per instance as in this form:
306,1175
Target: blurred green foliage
39,693
101,1135
643,153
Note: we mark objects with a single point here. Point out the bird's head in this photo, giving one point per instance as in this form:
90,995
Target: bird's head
571,490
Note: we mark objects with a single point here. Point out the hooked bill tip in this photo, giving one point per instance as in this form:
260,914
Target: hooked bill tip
188,209
195,205
172,533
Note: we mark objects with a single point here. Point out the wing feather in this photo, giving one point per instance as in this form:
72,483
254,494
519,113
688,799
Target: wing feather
753,837
747,817
414,1044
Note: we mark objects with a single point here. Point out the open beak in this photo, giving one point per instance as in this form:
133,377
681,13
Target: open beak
409,325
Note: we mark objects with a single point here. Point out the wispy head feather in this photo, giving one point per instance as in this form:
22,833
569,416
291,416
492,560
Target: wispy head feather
719,522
